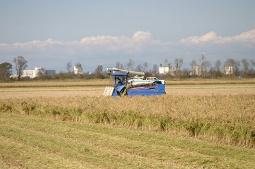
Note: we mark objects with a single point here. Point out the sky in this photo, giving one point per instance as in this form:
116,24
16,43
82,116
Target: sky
50,33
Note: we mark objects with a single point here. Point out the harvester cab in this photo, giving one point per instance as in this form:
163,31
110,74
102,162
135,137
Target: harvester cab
132,83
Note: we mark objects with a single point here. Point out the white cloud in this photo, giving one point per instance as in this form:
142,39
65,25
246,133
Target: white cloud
212,37
196,39
139,40
99,39
106,43
142,36
141,46
35,45
248,36
208,37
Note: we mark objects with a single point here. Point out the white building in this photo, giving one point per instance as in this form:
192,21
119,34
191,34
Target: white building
196,70
38,72
228,70
163,69
168,70
77,70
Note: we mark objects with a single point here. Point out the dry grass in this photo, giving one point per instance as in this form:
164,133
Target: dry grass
108,81
74,126
68,83
33,142
98,91
222,118
209,89
35,92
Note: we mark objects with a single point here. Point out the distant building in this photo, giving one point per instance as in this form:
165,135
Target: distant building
163,70
228,70
77,70
14,76
168,70
50,72
196,71
174,71
38,72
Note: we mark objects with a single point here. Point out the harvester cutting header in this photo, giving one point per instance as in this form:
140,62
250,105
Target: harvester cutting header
132,83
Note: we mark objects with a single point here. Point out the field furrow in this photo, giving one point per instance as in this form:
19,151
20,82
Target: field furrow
106,147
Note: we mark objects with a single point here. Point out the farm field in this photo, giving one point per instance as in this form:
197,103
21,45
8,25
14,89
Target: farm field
71,125
96,88
32,142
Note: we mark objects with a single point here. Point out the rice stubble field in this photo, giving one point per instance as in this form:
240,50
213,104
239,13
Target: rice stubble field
74,126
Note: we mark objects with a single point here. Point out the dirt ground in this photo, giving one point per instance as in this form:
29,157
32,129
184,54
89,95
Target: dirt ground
225,89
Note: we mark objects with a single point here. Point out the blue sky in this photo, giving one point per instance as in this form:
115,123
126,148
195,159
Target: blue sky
101,32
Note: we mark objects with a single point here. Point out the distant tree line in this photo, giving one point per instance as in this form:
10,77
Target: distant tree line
244,68
229,68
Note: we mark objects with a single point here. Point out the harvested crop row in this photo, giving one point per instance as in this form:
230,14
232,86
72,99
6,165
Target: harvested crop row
32,142
223,118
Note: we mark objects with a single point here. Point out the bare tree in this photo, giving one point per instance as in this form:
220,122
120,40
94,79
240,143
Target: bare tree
20,65
165,65
204,64
117,65
252,63
217,68
78,71
193,63
185,73
68,66
78,66
5,71
245,65
165,62
41,72
121,66
99,69
232,65
178,62
130,64
145,66
155,69
139,68
217,65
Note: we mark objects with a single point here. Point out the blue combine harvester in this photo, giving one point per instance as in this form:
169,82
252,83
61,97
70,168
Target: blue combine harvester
125,85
